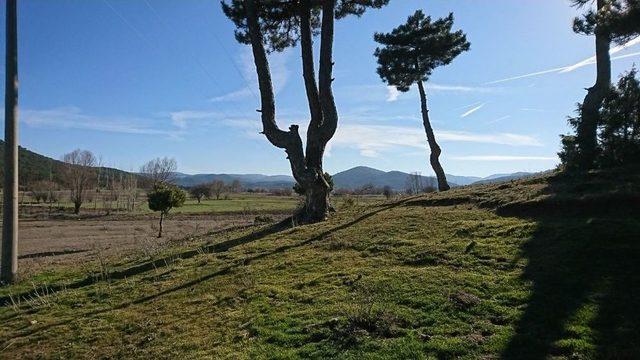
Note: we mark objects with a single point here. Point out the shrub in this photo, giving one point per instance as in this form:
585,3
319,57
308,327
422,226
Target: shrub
163,198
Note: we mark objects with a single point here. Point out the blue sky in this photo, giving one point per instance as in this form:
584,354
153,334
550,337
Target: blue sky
131,80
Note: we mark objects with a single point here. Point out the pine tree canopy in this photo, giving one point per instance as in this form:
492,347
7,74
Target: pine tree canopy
279,20
620,19
413,50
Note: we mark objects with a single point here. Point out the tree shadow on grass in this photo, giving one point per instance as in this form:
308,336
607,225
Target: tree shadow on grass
583,262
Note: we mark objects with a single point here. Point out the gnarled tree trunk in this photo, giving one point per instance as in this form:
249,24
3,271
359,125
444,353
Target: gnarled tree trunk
587,131
431,139
306,168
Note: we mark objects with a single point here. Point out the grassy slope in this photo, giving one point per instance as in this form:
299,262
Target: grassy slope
545,267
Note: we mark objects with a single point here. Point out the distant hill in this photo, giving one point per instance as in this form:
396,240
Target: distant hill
397,180
361,175
35,167
504,177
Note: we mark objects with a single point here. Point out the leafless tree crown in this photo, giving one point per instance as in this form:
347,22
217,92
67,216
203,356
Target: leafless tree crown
160,170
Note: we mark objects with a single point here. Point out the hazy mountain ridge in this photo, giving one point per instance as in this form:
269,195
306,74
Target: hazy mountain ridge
349,179
34,167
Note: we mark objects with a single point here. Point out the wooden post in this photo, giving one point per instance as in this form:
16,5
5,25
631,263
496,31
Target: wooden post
9,267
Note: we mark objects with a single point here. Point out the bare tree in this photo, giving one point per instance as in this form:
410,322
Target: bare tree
40,190
217,188
235,186
387,192
200,191
414,183
79,173
160,170
130,189
9,267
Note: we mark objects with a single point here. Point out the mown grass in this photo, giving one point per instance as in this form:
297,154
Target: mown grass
467,274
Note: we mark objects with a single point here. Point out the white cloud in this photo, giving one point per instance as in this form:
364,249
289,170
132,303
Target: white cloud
370,140
74,118
533,110
472,110
502,158
279,76
180,119
373,93
392,93
579,64
459,88
234,95
499,119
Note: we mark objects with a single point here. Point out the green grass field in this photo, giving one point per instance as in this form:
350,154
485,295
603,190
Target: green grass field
532,269
232,203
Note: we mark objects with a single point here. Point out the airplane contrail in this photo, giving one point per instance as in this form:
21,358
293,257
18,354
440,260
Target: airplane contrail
569,68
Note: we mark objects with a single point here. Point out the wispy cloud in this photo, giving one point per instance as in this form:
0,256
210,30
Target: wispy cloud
279,74
579,64
472,110
499,119
234,95
370,140
182,118
592,60
460,89
502,158
75,118
392,93
533,110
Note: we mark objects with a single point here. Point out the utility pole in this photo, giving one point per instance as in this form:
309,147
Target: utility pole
9,266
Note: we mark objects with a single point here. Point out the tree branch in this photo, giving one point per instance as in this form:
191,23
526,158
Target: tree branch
329,110
290,141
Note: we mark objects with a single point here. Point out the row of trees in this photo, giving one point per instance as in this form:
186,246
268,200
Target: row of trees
214,188
407,57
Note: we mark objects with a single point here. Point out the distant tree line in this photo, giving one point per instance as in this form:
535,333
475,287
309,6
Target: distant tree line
214,189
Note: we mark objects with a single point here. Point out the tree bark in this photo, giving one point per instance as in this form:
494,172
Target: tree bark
306,169
9,267
431,139
587,131
160,230
327,101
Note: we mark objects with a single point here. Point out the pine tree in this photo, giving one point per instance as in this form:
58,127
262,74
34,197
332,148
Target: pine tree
587,125
409,55
274,25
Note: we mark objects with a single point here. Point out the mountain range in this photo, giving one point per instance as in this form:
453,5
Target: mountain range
34,167
349,179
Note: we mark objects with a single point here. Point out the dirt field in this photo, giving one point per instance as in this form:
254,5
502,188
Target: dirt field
47,244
